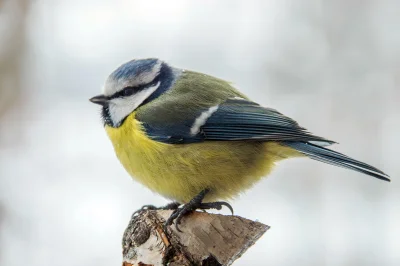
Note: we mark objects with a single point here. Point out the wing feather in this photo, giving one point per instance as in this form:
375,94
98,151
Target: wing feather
244,120
235,119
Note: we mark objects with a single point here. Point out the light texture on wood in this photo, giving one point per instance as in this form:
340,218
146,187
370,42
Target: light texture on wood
206,239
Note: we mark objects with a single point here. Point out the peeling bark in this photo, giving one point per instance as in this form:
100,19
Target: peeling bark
206,239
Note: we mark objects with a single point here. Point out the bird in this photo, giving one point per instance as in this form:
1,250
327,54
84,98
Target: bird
197,140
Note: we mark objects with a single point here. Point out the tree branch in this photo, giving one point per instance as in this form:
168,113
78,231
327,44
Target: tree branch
207,239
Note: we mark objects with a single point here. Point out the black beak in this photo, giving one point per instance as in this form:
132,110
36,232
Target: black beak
99,99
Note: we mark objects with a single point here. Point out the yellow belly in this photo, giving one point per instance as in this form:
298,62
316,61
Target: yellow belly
181,171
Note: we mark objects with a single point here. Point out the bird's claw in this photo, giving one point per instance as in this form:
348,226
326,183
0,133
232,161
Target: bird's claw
179,213
170,206
215,205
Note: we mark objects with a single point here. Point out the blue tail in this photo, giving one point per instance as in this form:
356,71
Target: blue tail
335,158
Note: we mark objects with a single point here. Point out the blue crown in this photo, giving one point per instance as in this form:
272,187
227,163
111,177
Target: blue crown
133,68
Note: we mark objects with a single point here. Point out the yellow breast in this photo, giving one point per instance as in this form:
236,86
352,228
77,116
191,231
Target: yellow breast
181,171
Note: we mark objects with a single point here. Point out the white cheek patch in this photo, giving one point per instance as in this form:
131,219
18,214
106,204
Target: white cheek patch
202,119
120,108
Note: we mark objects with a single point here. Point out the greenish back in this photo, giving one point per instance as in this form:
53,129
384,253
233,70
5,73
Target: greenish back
192,92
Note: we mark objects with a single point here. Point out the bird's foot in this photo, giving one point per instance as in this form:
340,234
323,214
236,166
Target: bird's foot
170,206
194,204
217,205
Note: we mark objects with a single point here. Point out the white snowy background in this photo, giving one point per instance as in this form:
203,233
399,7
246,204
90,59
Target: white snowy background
332,65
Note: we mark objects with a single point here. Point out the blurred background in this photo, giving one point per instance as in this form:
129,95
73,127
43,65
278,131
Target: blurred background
332,65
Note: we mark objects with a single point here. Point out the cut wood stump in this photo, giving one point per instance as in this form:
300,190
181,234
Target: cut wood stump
206,239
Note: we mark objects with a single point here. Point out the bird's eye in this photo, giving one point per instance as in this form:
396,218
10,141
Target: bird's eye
128,91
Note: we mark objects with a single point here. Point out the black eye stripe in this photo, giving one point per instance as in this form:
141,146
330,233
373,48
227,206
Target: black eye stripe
128,91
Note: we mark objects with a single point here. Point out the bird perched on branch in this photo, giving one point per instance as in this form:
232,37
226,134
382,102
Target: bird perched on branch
195,139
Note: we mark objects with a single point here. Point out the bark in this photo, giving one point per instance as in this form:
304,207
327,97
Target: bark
206,239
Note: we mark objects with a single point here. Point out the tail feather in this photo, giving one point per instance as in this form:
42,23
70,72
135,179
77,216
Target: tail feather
335,158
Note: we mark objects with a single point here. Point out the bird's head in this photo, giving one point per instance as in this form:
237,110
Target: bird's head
132,85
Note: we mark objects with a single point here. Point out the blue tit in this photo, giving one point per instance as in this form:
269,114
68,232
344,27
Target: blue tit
195,139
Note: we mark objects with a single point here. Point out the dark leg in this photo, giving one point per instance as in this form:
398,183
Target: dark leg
194,204
170,206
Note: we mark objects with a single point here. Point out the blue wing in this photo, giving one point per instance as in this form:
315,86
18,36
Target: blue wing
243,120
235,119
239,119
